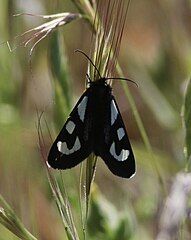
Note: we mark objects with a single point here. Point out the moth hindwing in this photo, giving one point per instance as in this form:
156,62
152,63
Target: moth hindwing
94,125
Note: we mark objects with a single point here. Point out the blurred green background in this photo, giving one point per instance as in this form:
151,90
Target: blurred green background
155,52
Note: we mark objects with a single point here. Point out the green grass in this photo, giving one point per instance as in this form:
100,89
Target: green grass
79,204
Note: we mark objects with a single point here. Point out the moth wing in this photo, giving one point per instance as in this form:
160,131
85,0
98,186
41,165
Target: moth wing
72,145
116,150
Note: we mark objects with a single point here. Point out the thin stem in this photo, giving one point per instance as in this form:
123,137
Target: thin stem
142,129
81,201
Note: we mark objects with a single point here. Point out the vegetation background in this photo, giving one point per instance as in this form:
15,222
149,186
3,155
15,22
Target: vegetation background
156,52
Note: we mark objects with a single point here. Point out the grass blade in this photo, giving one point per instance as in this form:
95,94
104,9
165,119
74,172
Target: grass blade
60,197
187,124
9,220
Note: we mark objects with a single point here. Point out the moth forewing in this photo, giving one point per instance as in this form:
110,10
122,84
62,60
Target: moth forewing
72,144
117,152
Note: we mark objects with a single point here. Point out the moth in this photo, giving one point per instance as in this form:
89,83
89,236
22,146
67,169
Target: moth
94,125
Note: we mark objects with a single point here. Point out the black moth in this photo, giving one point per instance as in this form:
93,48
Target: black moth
94,125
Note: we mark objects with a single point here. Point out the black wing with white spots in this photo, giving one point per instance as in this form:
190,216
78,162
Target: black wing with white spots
72,144
116,151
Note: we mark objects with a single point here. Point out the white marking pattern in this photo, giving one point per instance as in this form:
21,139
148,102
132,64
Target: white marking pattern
63,148
114,112
120,133
123,154
70,127
82,108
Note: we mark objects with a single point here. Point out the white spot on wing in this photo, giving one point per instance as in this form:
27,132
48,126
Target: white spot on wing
63,148
82,108
120,133
59,146
70,127
122,156
114,112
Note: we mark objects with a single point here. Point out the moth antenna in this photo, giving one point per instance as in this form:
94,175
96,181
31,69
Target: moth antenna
80,51
126,79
